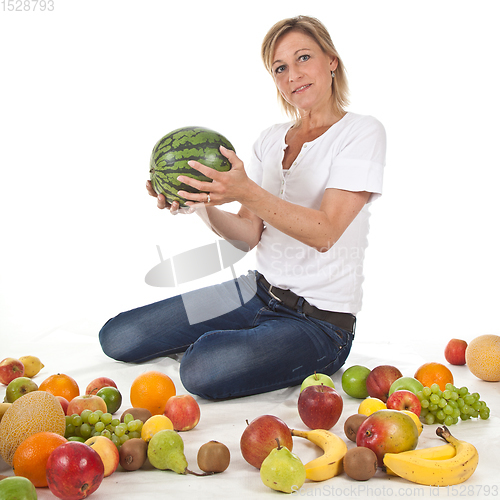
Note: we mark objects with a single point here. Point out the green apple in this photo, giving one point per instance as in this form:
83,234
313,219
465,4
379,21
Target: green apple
19,387
17,487
112,397
406,383
354,381
317,379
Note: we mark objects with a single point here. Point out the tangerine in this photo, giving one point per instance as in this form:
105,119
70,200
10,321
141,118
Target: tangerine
60,385
434,373
152,390
30,458
483,357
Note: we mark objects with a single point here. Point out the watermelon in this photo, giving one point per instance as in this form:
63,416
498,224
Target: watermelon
172,152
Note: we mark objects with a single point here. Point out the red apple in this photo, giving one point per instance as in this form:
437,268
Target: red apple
183,411
84,402
380,379
455,352
99,383
259,438
74,471
108,452
10,368
404,400
387,431
64,403
320,406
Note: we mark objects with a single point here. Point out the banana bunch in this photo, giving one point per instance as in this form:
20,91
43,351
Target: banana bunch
329,464
445,465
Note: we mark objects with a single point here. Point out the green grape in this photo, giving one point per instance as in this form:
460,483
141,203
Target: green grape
463,391
124,438
134,434
460,402
95,433
128,418
485,414
424,403
435,389
76,420
433,407
440,415
77,432
477,405
85,415
464,416
450,387
434,399
469,399
447,394
448,410
70,430
106,433
476,395
423,413
420,395
452,403
99,426
119,431
426,391
474,413
116,440
132,425
93,418
454,395
442,403
429,419
456,413
99,412
140,424
85,430
115,422
448,420
106,418
68,419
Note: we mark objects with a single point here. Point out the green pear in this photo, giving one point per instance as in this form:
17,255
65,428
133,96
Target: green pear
166,451
19,387
282,470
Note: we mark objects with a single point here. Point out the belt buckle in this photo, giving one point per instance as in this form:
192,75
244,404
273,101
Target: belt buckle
269,291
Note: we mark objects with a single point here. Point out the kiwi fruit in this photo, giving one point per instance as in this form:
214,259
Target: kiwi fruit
360,463
141,414
133,453
213,457
352,425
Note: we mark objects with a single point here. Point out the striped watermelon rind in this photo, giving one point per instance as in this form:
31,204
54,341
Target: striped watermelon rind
172,152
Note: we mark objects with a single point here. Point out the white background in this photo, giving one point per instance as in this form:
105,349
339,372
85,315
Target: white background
88,89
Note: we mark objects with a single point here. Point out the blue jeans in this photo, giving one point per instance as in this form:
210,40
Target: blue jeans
257,346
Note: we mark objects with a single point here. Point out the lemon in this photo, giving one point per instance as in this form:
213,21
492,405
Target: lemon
419,425
153,425
371,405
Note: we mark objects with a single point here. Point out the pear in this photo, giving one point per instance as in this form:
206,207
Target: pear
282,470
166,451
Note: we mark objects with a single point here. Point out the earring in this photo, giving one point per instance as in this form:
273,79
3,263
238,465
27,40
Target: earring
333,74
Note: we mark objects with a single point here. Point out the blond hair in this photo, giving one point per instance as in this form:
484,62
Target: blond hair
317,31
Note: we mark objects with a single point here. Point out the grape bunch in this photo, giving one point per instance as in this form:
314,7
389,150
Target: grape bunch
448,406
96,423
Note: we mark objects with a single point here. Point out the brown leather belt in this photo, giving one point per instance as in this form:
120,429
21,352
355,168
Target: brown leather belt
346,321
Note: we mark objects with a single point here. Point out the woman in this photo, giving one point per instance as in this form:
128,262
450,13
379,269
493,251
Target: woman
304,207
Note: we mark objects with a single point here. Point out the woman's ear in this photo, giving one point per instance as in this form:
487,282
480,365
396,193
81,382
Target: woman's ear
334,63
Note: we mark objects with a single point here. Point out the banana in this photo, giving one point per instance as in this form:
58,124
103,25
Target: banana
32,365
3,408
441,452
435,471
329,464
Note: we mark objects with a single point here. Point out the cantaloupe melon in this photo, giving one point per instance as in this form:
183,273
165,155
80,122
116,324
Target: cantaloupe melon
483,357
34,412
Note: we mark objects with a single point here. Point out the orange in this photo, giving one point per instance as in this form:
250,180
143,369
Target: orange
60,385
434,373
152,390
30,458
483,357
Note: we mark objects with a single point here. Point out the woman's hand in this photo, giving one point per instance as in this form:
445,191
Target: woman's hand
161,201
225,186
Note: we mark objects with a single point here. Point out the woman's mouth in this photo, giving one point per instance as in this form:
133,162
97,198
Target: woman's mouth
301,89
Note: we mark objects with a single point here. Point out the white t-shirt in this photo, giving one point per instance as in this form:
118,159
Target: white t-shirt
350,155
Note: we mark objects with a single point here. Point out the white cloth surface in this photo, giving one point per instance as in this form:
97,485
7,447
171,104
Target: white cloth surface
74,349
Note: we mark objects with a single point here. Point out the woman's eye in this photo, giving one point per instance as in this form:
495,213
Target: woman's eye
279,69
304,57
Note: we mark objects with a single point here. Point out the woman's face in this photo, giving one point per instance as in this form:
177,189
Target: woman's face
302,71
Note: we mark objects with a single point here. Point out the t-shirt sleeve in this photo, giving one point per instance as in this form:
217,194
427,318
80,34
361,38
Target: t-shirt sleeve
359,164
